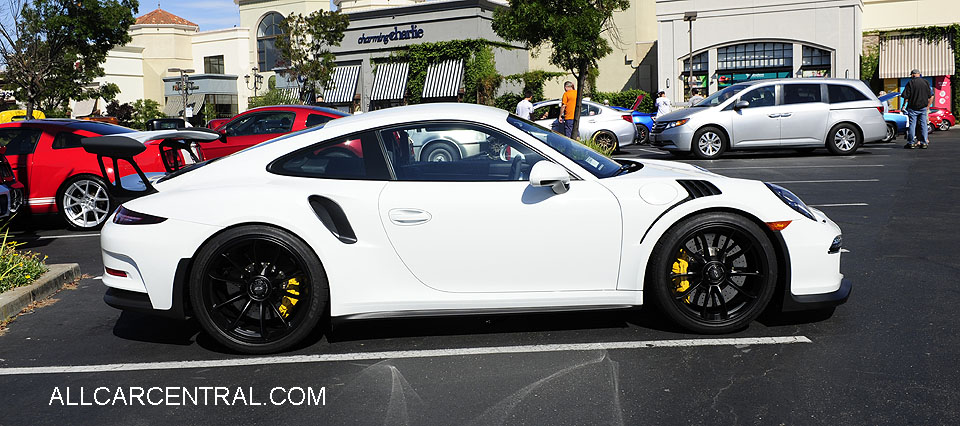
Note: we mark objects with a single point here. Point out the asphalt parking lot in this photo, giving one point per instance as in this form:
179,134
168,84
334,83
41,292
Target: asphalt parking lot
888,356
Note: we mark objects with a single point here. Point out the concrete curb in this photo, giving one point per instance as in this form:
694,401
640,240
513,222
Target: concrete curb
13,301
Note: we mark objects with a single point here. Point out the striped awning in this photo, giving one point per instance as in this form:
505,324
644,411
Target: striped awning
390,81
443,79
195,100
343,85
173,106
900,54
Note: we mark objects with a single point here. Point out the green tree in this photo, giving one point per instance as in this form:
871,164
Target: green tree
54,49
304,47
274,96
572,28
144,110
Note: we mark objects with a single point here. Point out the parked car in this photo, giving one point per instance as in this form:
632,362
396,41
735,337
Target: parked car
941,119
11,191
217,123
896,121
642,120
606,125
58,175
167,124
803,114
264,123
388,235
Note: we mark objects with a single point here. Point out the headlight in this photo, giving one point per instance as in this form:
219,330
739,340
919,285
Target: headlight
129,217
791,200
673,124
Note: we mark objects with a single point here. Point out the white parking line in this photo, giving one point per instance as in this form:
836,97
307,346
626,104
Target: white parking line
53,237
796,167
839,205
367,356
654,151
827,181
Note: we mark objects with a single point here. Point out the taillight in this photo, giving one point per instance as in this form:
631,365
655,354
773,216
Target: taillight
627,117
126,216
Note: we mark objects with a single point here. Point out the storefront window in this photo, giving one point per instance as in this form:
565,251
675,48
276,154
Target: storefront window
755,56
816,62
220,106
267,32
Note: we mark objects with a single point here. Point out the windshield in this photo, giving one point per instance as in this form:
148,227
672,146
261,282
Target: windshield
587,158
719,97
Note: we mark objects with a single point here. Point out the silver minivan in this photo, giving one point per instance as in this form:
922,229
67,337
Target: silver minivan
802,114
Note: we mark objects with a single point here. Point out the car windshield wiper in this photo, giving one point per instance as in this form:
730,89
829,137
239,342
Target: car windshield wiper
628,167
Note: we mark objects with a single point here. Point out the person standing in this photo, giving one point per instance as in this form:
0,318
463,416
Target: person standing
918,94
525,107
568,106
662,104
696,98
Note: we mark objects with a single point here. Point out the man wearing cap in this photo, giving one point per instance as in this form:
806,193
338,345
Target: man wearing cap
918,94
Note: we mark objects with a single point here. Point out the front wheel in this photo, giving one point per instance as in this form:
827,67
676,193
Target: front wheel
843,139
713,273
84,202
258,289
944,125
708,143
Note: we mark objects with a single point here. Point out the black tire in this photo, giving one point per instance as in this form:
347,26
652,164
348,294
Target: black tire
891,133
844,139
643,134
606,140
713,273
440,151
257,289
84,202
708,143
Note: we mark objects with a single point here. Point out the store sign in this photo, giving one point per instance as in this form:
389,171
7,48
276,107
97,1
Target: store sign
397,34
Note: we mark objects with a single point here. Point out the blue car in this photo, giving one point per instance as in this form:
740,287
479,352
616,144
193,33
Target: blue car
643,121
896,122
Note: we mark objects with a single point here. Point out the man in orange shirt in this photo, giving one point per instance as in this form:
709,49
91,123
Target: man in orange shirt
568,105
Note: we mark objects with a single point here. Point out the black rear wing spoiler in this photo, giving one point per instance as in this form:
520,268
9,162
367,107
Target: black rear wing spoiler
124,146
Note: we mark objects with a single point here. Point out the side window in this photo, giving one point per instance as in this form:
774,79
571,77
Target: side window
840,93
356,156
801,93
317,119
19,141
456,152
586,110
761,97
262,123
65,140
547,112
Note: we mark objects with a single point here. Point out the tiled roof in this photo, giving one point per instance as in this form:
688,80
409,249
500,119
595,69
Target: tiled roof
162,17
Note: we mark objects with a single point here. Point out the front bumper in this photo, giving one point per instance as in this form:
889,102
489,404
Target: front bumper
792,302
673,139
813,278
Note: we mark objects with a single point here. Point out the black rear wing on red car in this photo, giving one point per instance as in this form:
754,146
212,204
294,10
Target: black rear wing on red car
123,147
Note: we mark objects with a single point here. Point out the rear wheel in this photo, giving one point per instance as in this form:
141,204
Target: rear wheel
258,289
606,141
891,133
84,202
843,139
643,134
713,273
440,152
708,143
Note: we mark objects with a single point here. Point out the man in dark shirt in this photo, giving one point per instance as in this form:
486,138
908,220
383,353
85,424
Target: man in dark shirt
918,94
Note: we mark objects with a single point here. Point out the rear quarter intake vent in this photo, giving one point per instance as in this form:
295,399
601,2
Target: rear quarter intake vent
699,188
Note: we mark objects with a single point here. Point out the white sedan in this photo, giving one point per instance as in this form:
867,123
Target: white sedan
343,220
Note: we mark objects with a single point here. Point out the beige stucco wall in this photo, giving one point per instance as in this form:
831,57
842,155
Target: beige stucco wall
232,43
164,47
252,11
349,6
124,67
894,14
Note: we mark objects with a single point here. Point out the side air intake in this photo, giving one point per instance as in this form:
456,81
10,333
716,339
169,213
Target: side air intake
699,188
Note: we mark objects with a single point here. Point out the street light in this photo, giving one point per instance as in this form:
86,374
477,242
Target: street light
690,17
257,80
184,87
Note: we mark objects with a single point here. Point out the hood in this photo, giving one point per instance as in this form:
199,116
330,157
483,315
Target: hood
681,114
668,169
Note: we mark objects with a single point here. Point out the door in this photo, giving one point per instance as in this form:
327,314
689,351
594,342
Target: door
250,130
476,224
803,117
759,123
21,143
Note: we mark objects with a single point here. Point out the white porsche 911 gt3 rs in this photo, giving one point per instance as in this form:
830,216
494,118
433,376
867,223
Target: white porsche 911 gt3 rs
259,245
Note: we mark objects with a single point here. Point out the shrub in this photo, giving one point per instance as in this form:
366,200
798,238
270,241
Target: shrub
18,268
625,99
144,110
508,101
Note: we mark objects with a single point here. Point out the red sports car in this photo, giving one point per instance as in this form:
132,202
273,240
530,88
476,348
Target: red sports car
59,176
260,124
941,119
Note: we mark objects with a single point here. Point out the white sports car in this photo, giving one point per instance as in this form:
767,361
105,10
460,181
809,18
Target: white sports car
344,219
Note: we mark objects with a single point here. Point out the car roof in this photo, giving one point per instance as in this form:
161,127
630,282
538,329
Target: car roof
808,80
307,108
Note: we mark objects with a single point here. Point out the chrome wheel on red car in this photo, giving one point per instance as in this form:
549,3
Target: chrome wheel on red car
84,203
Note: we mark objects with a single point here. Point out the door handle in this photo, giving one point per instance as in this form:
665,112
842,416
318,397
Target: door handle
406,217
773,115
786,114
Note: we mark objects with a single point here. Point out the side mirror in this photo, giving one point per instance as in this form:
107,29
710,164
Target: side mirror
741,105
545,173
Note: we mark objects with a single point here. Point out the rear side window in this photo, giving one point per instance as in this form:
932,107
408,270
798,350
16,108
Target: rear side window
65,140
356,156
317,119
20,141
840,93
262,124
801,93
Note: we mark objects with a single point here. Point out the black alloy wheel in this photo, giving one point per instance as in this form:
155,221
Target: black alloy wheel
714,273
643,134
257,289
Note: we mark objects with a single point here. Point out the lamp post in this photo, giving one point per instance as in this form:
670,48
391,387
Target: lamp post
257,80
690,17
184,86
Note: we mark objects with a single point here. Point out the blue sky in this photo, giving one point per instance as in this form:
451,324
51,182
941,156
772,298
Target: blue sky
208,14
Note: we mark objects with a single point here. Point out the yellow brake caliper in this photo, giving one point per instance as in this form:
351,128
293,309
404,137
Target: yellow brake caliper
291,298
680,267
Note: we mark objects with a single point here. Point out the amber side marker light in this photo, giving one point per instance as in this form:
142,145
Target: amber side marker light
115,272
778,226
